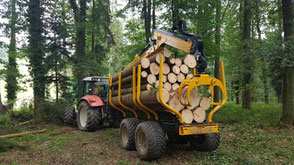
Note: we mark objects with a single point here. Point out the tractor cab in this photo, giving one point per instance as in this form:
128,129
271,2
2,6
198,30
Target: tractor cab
96,85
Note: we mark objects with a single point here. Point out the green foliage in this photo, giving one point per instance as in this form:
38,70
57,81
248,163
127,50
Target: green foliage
258,116
5,120
51,113
6,144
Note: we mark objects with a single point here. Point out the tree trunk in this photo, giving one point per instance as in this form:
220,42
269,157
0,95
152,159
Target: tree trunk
217,53
147,18
153,15
12,71
36,54
288,73
246,58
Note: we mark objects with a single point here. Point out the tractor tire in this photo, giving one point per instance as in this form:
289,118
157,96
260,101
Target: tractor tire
150,140
69,116
114,117
89,118
127,133
206,142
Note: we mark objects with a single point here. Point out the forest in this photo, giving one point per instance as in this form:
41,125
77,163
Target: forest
48,47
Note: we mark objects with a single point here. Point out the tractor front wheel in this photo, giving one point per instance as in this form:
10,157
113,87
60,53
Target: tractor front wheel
205,142
89,118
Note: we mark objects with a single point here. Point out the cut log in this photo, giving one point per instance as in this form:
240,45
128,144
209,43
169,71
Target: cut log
157,83
166,68
164,78
199,115
147,97
172,78
189,76
154,68
165,95
176,69
180,77
178,62
184,69
144,74
149,87
126,71
194,97
124,80
25,122
151,78
22,133
174,102
167,86
190,61
156,58
145,63
187,115
205,103
166,53
130,90
175,86
172,60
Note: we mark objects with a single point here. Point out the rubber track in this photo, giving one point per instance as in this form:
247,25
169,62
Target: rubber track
69,116
131,124
156,139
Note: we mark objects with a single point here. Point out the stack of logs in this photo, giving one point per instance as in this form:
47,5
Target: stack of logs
175,70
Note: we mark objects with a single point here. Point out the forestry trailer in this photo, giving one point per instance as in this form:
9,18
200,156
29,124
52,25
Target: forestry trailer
157,97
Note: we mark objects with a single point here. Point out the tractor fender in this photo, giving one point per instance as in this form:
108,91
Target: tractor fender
93,100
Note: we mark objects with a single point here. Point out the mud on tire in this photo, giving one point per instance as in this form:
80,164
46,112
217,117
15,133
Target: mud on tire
89,118
69,116
150,140
206,142
127,133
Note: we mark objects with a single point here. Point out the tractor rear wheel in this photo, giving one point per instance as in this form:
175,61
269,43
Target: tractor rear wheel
69,116
114,117
206,142
127,133
89,118
150,140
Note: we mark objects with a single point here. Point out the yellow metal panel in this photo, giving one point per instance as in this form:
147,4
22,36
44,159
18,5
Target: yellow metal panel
110,101
134,94
119,97
198,129
173,41
160,92
138,94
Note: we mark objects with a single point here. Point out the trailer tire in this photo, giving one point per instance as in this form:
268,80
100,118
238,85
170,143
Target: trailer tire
89,118
69,116
150,140
127,133
206,142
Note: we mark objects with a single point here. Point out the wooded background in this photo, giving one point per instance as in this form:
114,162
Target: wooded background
67,40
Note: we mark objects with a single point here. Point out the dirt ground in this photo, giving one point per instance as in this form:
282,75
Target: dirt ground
66,145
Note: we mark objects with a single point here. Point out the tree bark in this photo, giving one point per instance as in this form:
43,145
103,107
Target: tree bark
288,73
153,15
246,58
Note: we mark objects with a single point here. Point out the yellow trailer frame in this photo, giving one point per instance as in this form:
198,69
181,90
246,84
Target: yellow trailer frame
192,84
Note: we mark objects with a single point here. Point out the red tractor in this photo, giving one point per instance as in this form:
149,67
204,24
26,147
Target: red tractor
92,108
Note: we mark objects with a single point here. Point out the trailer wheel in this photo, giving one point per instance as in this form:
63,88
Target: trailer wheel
150,140
127,133
69,116
206,142
89,118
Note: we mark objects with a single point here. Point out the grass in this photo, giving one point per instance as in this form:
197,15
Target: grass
247,137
